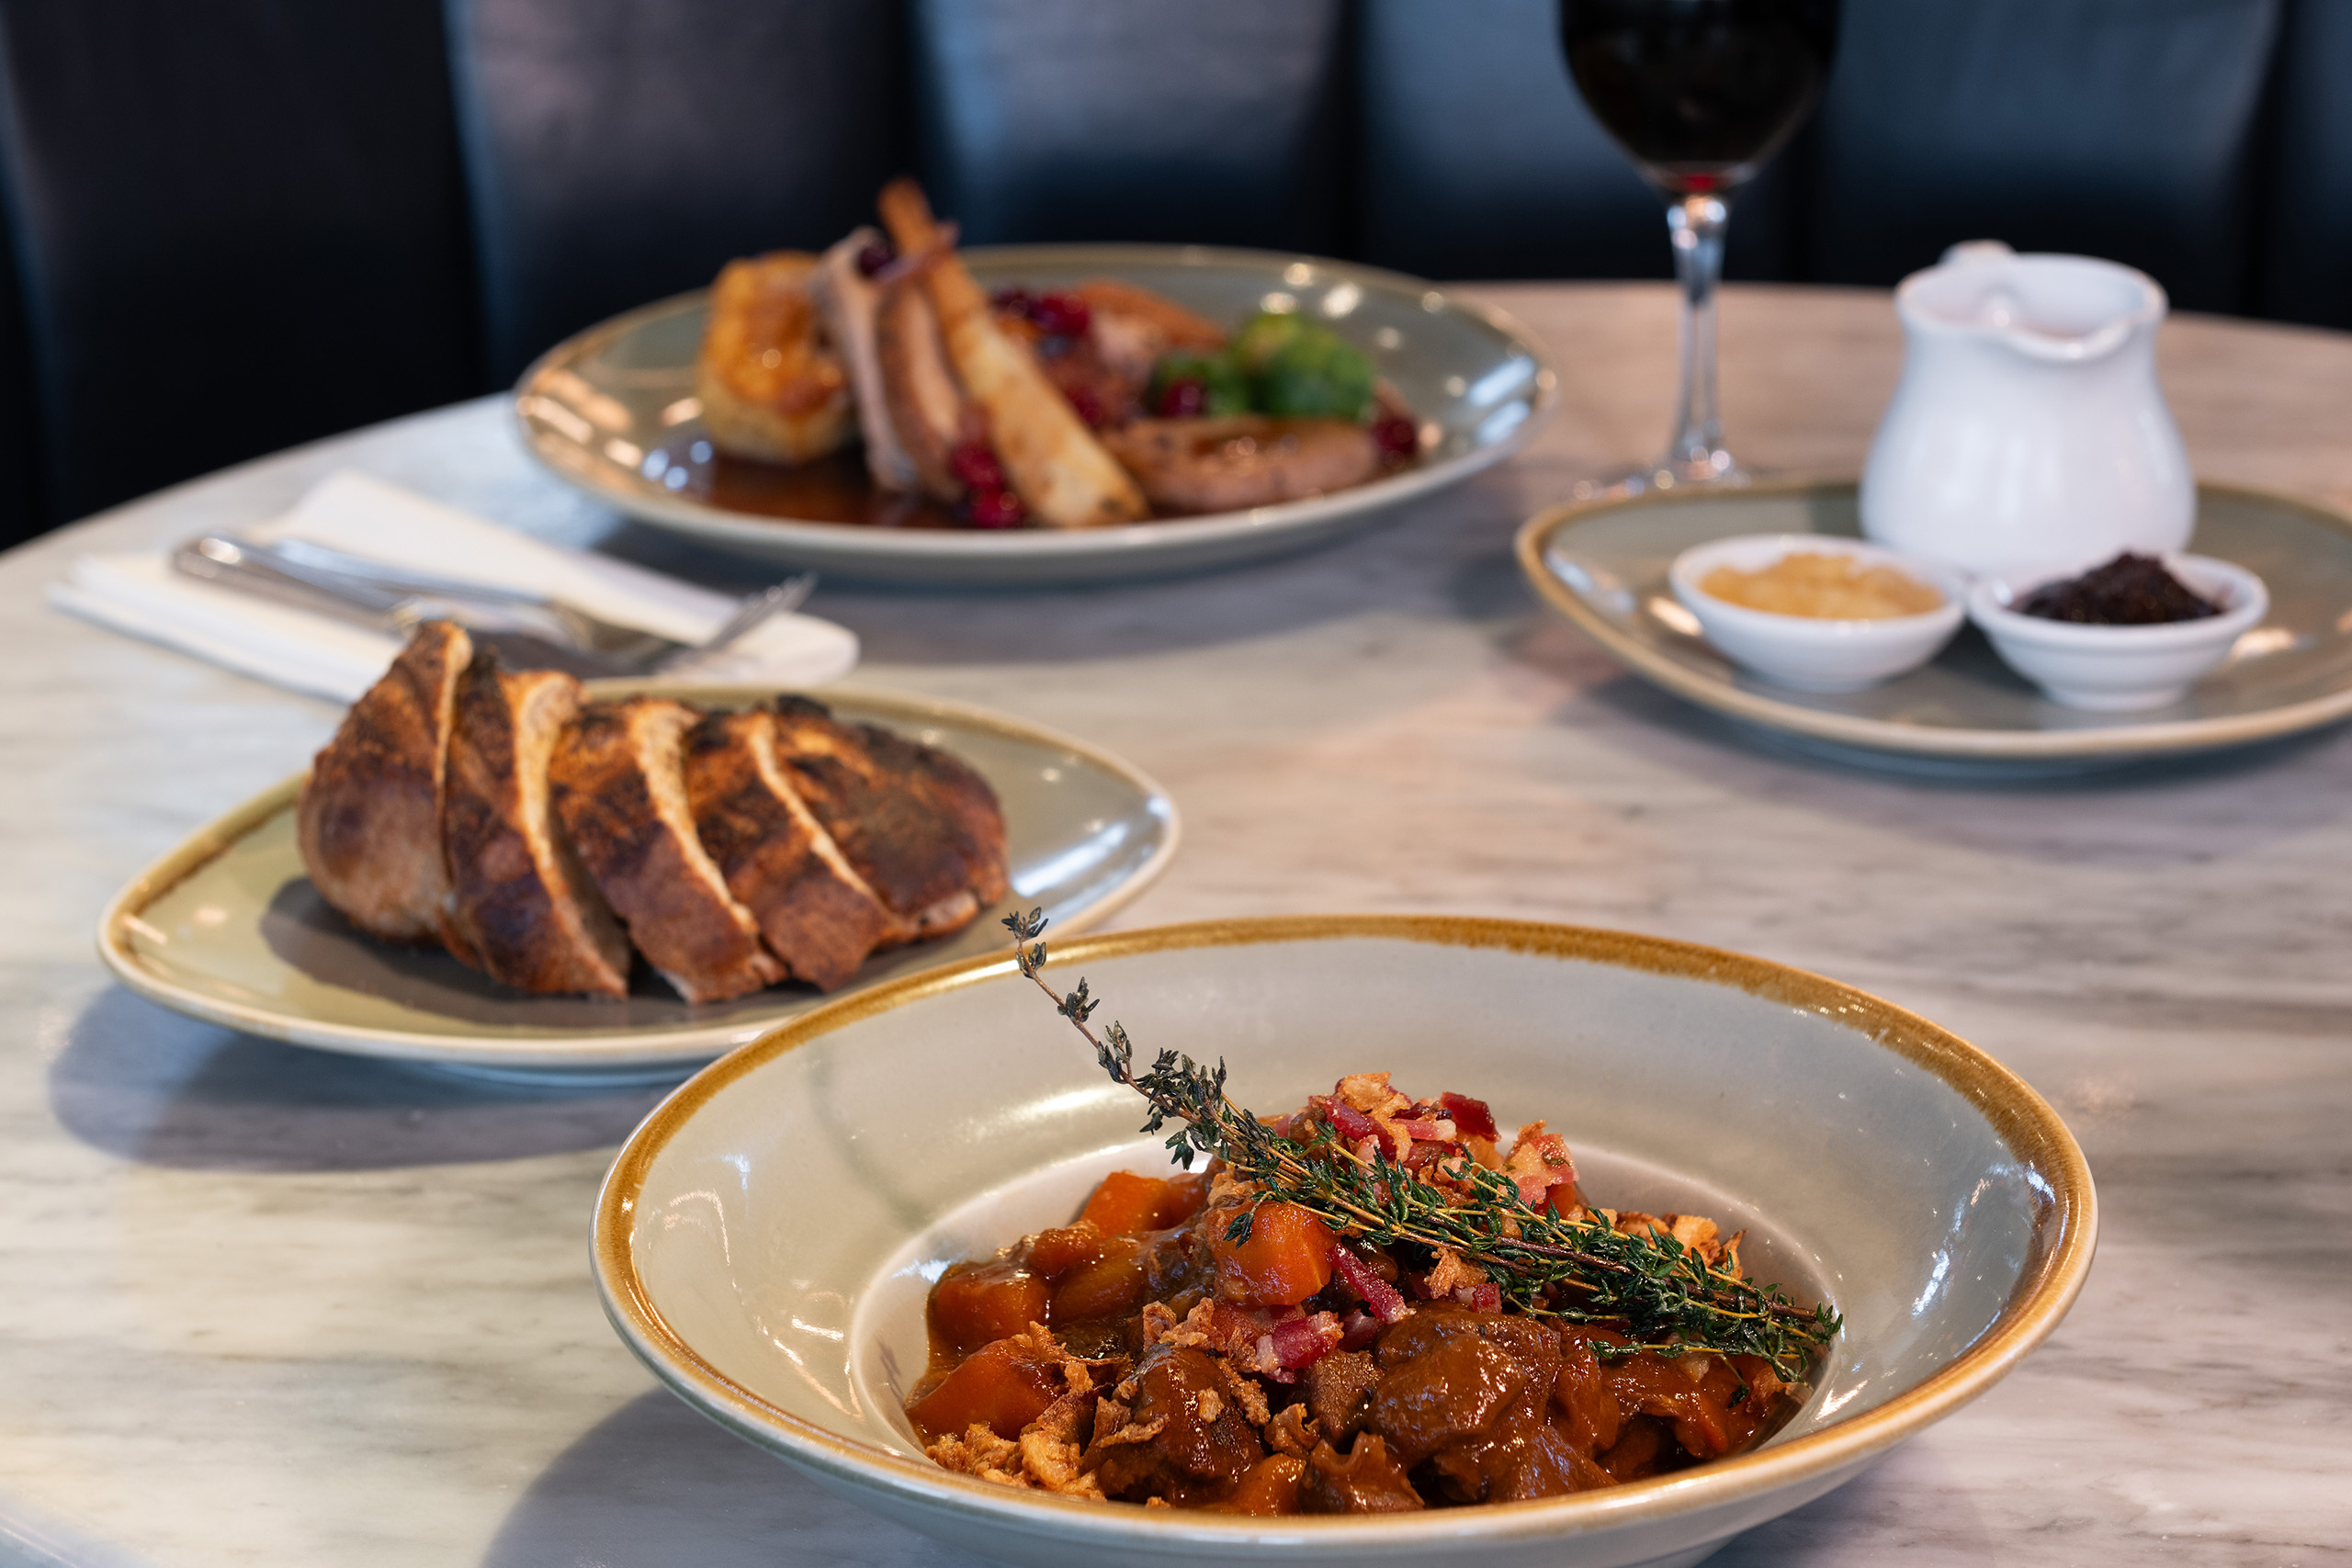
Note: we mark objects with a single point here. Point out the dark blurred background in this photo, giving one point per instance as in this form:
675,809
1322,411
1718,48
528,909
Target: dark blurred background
238,224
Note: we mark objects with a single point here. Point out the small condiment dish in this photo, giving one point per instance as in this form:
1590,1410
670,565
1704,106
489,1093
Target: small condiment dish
1812,653
2119,669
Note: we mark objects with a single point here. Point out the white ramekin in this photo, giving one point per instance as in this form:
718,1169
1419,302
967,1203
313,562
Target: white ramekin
2119,669
1807,652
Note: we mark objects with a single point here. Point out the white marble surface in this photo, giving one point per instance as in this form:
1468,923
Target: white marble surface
260,1306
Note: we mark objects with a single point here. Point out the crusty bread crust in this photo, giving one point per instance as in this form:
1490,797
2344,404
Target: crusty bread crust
521,909
921,828
621,794
816,913
369,820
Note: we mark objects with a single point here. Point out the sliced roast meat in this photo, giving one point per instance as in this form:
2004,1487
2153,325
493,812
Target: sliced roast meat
522,908
620,790
815,911
369,823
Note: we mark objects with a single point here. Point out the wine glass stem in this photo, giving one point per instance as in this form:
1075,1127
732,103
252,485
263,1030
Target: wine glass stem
1697,223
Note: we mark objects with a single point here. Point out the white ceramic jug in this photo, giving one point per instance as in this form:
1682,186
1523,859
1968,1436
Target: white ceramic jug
2028,429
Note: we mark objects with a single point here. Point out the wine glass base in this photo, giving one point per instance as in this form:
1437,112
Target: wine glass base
1713,470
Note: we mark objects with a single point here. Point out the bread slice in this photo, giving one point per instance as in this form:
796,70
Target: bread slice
620,792
521,909
815,911
370,819
921,827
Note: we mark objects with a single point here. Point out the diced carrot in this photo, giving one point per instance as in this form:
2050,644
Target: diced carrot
1129,1204
1268,1487
1004,1387
1111,1285
1286,1259
1056,1252
976,1302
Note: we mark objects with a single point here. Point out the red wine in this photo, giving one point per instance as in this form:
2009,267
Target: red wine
1701,91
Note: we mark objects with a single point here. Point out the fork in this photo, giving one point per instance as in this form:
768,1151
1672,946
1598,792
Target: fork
315,577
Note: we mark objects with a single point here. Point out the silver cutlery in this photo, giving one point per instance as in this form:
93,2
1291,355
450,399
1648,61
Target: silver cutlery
317,577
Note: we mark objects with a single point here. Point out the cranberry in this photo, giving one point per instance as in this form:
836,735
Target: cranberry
976,464
1060,315
1395,438
1087,407
1183,397
994,509
875,256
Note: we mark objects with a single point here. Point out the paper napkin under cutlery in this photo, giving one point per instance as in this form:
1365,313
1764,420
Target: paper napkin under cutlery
143,595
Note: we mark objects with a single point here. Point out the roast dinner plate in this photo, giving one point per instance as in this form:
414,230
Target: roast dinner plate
228,928
766,1240
612,411
1603,564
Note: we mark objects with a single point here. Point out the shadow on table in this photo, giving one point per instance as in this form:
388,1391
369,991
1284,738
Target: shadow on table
145,1084
1404,558
2163,811
654,1485
1900,1509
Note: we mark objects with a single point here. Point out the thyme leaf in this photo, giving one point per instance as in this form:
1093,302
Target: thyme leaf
1578,1269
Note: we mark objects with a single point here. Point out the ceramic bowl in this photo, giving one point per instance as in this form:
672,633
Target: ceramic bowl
2120,669
1807,652
766,1239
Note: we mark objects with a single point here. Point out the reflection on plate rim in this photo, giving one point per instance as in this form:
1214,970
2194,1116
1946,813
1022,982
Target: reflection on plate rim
2170,736
684,1046
2023,1120
1138,540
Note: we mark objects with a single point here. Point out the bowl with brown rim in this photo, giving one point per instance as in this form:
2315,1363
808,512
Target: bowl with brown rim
765,1240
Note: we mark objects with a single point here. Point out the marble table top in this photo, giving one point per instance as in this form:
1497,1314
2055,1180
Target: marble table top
261,1307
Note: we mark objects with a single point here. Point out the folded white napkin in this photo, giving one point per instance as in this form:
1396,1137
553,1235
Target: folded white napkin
142,594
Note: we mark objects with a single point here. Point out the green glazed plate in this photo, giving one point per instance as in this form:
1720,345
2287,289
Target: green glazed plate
1603,565
229,928
601,409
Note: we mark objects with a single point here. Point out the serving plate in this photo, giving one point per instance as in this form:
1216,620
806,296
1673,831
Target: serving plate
612,411
1603,564
228,928
765,1240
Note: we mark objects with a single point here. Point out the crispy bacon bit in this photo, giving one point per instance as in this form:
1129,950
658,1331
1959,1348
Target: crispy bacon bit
1428,1131
1362,1328
1379,1294
1539,1162
1480,1298
1349,1122
1303,1341
1471,1116
1370,1093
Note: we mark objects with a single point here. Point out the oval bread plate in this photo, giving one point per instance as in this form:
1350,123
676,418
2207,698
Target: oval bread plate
227,926
1603,564
606,409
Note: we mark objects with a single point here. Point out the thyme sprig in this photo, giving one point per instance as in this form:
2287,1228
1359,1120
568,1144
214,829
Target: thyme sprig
1663,1295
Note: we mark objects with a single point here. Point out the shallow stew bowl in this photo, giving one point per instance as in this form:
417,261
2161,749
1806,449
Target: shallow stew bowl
764,1241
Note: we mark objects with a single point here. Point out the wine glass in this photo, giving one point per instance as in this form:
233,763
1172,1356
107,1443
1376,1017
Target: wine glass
1700,94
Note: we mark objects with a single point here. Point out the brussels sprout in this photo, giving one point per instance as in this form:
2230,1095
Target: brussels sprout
1224,389
1315,376
1263,336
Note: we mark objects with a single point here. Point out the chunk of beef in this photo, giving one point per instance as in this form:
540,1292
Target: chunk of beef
1368,1481
1205,1443
1335,1389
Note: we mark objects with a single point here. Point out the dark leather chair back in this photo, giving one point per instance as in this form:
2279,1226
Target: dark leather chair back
2118,128
1479,159
239,226
1213,121
620,151
2307,263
